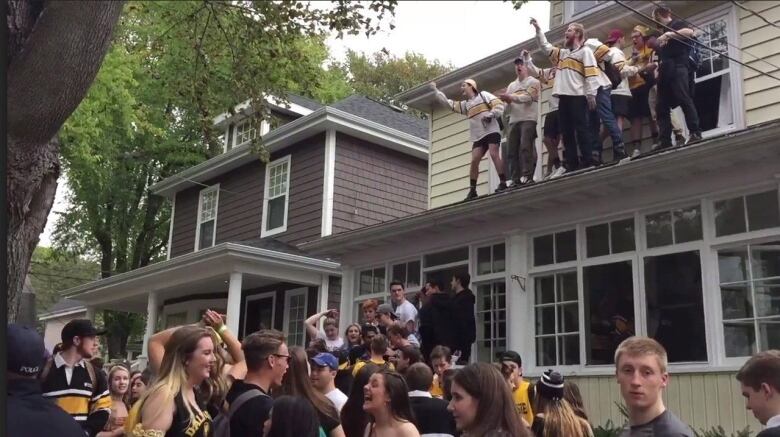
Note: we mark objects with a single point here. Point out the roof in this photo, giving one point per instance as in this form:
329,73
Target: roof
383,114
756,140
276,246
304,101
63,307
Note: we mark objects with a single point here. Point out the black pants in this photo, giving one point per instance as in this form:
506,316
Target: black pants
573,119
675,88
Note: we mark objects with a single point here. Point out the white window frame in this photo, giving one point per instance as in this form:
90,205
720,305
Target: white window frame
747,234
264,128
226,138
734,71
580,312
288,295
358,298
568,10
272,295
213,188
265,232
488,278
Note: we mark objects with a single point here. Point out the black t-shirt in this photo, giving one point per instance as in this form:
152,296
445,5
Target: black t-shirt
769,432
675,49
249,419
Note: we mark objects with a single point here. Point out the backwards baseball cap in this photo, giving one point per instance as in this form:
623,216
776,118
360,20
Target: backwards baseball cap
519,61
79,328
28,350
550,386
386,308
472,83
614,35
511,356
643,30
324,359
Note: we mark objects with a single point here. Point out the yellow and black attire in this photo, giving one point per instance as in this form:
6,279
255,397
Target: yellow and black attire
359,365
72,389
522,397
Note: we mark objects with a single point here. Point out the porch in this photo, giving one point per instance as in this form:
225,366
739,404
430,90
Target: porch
262,285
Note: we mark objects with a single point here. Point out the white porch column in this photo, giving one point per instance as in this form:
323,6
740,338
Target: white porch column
90,314
234,301
347,314
519,328
322,296
151,321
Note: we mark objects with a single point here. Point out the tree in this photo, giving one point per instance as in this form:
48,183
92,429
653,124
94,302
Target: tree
57,48
52,270
383,75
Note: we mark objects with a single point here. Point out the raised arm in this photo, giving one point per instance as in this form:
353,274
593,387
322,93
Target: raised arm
543,74
454,105
156,347
550,50
238,368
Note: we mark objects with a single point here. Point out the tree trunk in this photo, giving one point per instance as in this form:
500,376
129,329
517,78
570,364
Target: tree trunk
55,52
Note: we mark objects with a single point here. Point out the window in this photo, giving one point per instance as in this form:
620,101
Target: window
575,9
207,217
491,259
556,306
747,213
408,273
715,96
555,248
444,265
673,292
447,257
607,238
673,227
277,196
294,315
608,291
491,320
372,281
750,297
177,319
247,131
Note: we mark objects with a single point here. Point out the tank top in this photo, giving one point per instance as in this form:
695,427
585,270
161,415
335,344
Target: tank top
182,426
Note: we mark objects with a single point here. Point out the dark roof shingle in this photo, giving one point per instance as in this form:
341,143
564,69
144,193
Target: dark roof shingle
383,114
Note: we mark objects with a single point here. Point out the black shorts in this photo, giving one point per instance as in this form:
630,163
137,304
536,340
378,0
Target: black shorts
494,138
551,128
620,105
638,106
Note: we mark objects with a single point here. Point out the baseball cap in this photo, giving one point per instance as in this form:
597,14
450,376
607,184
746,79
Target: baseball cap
79,328
511,356
471,82
28,350
519,61
386,308
614,35
324,359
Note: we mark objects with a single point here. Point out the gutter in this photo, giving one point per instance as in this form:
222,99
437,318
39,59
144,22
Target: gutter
61,313
318,121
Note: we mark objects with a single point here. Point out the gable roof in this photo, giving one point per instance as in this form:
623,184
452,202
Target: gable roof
304,101
383,114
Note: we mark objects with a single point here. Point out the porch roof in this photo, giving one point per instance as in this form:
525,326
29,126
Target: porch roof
206,270
740,148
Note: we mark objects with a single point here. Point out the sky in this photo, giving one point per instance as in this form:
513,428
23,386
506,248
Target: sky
456,32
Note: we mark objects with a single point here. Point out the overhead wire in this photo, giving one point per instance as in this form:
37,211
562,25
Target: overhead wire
683,39
752,12
704,31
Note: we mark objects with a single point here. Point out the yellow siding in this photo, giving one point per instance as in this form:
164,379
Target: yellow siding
450,158
762,94
700,400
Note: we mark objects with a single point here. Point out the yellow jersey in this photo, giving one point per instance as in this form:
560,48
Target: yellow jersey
359,365
522,401
436,390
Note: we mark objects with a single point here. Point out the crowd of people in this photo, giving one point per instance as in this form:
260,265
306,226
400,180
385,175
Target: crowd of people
595,90
201,381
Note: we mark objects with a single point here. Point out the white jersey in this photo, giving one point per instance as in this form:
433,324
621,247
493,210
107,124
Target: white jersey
577,73
475,108
617,58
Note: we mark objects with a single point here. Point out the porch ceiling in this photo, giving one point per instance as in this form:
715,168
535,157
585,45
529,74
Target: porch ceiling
745,149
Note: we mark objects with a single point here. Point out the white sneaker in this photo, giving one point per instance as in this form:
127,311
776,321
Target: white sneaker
636,153
560,171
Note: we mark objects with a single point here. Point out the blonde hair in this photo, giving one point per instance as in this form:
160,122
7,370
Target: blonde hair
116,368
635,346
580,29
560,419
173,373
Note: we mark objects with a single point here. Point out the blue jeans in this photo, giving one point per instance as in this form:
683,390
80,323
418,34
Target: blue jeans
604,113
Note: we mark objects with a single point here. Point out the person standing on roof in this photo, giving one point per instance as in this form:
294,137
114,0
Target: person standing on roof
483,110
522,98
576,86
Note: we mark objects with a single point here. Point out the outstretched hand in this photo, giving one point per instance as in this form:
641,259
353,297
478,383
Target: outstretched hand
534,23
524,54
213,319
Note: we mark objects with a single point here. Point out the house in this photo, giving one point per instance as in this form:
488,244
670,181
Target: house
57,317
237,221
682,244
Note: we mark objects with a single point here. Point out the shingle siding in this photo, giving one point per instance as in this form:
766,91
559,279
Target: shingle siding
374,184
240,208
